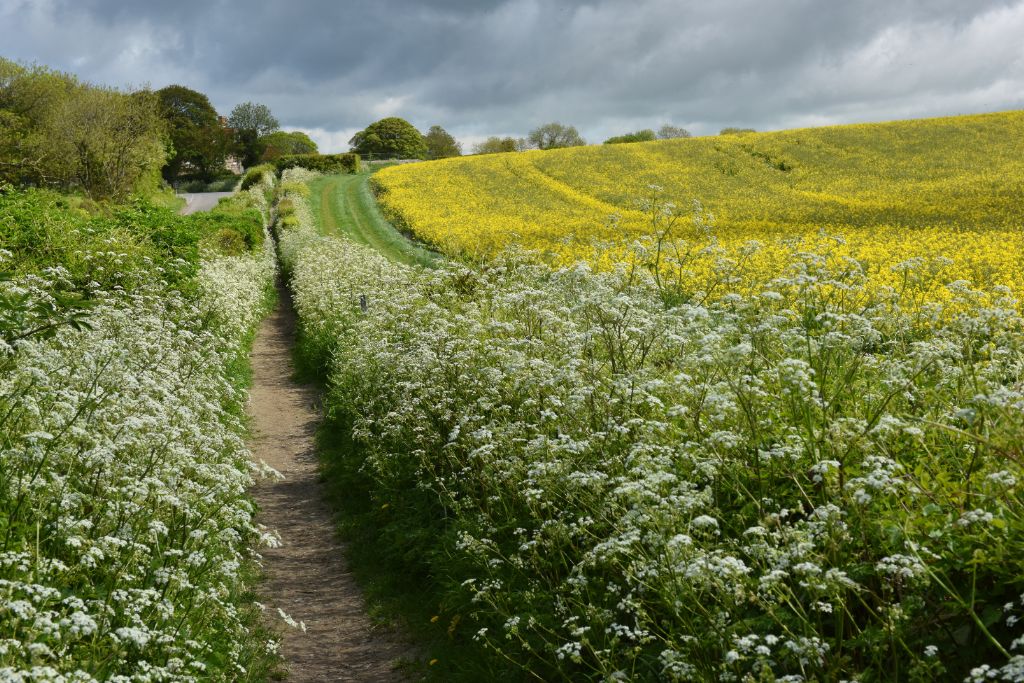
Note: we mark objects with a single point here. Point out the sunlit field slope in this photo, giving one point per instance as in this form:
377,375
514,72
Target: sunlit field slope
949,189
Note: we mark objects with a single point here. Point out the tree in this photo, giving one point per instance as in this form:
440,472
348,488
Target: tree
736,131
57,131
670,132
440,144
279,143
496,145
111,139
254,117
200,142
251,122
645,135
554,135
391,138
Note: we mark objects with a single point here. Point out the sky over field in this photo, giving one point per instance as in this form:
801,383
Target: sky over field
502,67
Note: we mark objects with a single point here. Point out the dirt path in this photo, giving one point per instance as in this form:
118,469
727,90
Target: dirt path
307,576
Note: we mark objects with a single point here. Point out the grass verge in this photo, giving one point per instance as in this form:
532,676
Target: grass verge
344,205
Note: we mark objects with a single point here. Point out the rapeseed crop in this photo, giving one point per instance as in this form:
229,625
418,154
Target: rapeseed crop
948,189
605,475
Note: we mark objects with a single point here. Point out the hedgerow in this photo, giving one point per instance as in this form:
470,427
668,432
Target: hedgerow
126,532
605,480
321,163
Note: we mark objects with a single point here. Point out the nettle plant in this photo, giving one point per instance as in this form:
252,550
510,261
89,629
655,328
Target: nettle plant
619,477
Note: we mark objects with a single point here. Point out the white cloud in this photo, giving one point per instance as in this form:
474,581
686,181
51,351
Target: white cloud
502,67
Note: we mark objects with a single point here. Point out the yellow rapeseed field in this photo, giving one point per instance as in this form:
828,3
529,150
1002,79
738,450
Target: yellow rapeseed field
944,195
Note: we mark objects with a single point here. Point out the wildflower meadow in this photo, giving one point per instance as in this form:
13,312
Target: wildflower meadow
616,469
127,541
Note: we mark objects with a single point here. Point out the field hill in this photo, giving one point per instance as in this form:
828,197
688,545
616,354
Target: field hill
893,190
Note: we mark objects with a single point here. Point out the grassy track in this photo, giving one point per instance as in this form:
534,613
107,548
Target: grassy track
343,204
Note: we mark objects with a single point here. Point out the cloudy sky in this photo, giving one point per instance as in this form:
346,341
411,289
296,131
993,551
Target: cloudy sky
502,67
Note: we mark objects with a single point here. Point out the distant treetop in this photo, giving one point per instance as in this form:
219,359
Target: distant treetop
555,135
250,116
736,131
440,144
670,132
391,137
496,145
645,135
279,143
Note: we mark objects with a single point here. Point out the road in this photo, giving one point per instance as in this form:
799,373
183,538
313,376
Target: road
201,201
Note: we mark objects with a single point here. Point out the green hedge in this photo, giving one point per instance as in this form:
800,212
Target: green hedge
324,163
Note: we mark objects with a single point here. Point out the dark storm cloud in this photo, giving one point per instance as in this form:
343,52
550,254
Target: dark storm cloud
504,66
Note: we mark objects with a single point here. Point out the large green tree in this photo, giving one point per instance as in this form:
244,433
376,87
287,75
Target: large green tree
390,138
200,143
440,144
60,132
281,143
251,122
554,135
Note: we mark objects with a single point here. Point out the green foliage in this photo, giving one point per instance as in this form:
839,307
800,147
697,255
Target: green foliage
323,163
645,135
497,145
59,132
281,143
254,117
225,183
255,175
440,144
555,135
295,187
199,142
23,316
251,122
392,138
104,246
736,131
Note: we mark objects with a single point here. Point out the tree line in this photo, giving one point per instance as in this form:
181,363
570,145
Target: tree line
394,137
60,132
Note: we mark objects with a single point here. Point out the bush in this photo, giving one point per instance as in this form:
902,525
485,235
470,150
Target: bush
324,163
645,135
225,183
292,187
255,175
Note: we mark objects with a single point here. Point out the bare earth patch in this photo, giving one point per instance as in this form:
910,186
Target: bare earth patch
307,576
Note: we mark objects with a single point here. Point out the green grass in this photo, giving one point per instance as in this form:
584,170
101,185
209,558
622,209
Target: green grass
344,205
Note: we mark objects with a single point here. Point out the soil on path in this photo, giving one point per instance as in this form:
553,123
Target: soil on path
307,576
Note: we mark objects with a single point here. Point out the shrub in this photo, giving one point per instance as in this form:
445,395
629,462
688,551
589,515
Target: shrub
292,187
645,135
323,163
255,175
